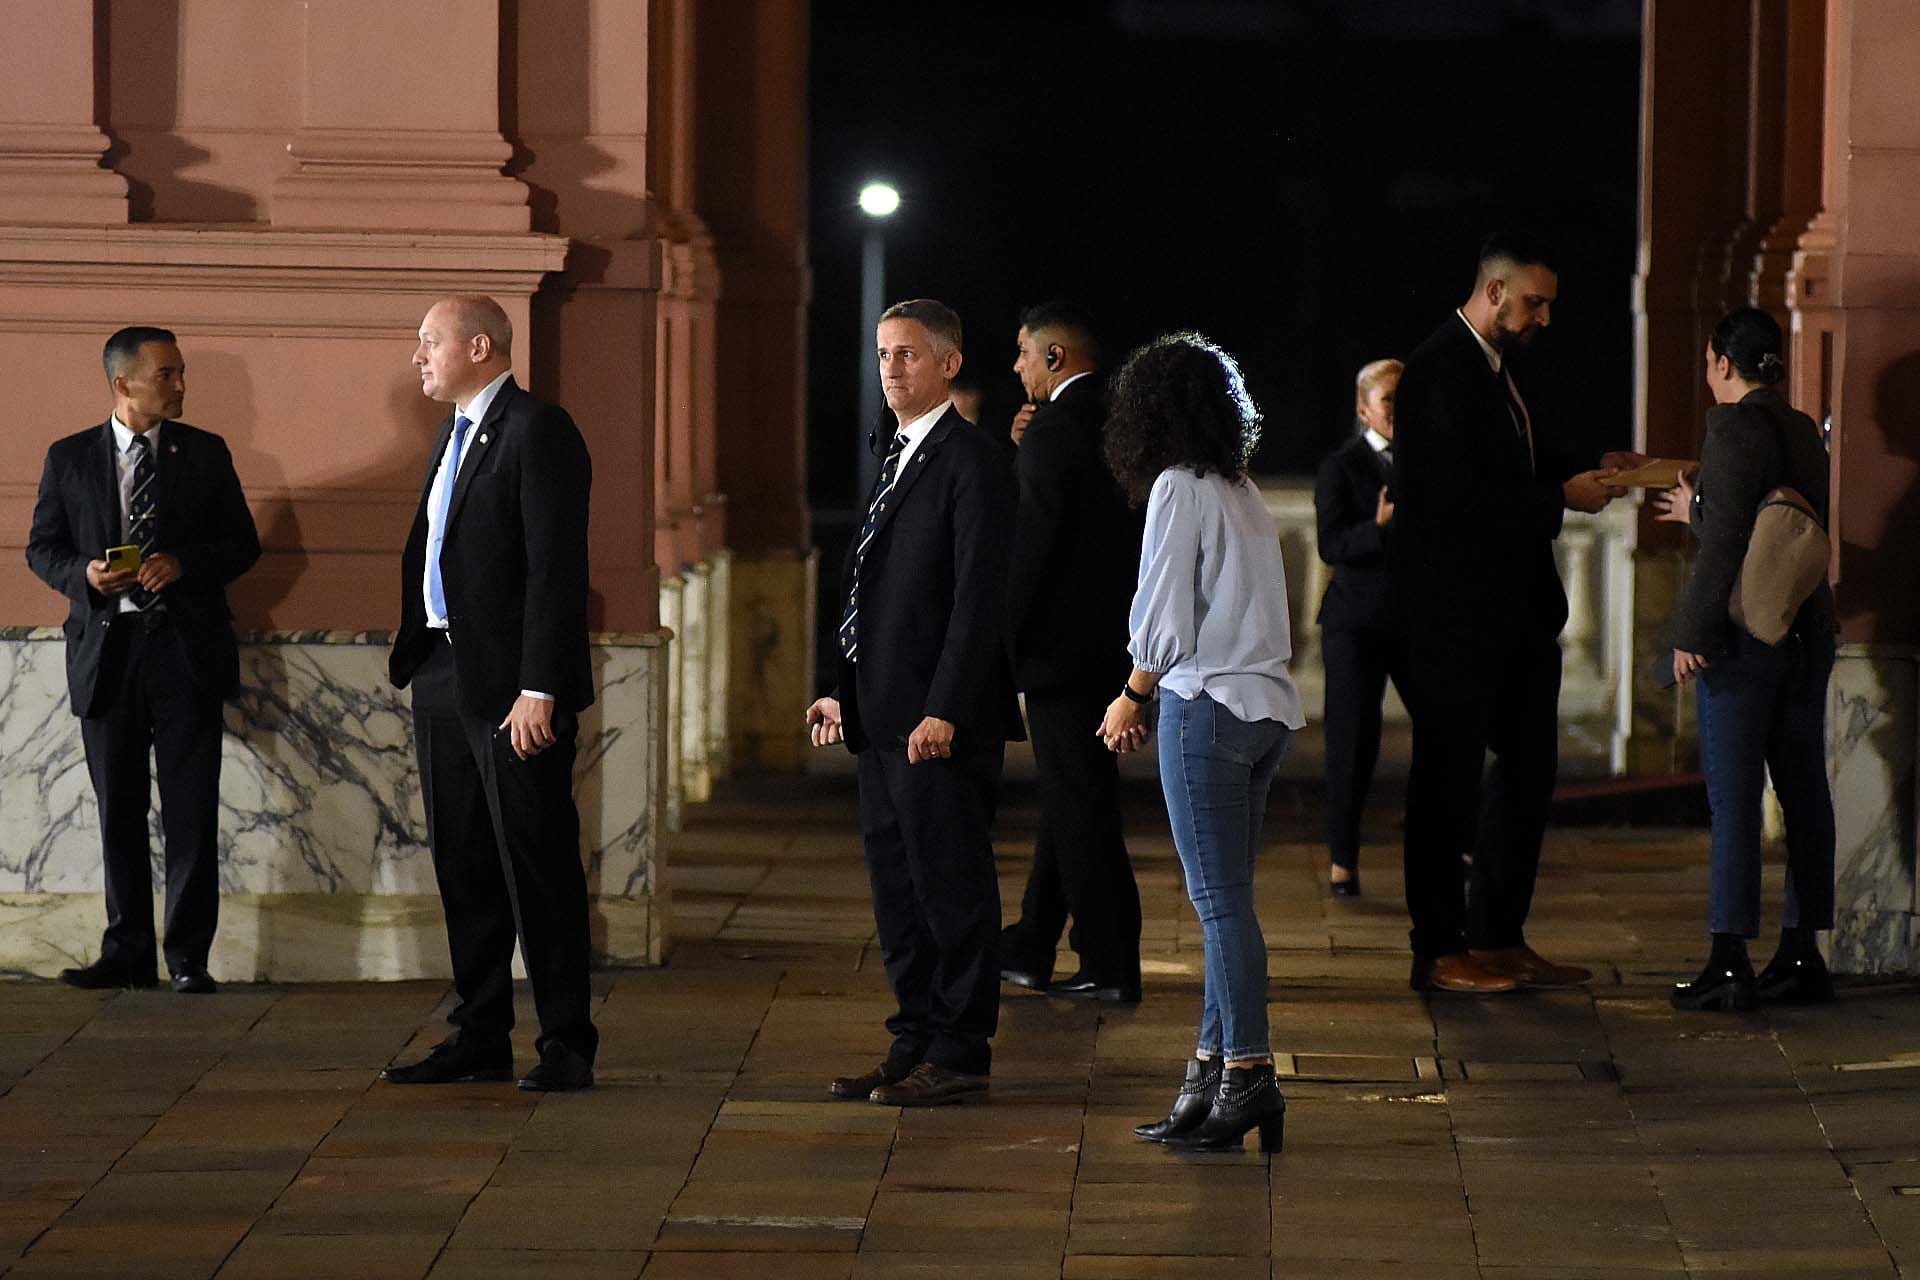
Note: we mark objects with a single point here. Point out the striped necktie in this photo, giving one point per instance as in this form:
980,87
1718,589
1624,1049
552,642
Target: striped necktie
142,522
876,505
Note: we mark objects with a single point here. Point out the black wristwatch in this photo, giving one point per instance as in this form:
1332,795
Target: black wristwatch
1142,698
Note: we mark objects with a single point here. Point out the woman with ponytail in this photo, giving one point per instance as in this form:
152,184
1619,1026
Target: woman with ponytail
1762,707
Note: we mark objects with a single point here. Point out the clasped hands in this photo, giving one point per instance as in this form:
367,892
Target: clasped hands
1124,727
156,572
931,739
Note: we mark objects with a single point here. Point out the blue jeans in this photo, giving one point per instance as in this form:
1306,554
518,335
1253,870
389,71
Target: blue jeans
1216,770
1763,710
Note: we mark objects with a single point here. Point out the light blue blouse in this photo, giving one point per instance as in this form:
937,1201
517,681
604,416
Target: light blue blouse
1210,613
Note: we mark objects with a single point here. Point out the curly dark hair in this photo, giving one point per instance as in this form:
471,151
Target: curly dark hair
1179,401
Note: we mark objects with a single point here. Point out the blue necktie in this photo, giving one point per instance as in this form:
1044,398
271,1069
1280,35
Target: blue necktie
437,590
141,522
850,617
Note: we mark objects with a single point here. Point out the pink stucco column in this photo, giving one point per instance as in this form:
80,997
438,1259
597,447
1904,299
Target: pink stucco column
51,142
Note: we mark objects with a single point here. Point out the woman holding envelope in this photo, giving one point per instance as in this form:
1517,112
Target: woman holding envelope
1762,707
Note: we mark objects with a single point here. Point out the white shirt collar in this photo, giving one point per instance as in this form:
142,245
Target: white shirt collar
916,431
476,408
1375,441
1493,357
123,434
1067,382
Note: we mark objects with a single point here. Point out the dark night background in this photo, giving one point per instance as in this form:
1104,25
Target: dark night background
1306,181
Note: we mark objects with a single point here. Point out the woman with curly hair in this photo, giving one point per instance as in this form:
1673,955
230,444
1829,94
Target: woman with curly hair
1210,642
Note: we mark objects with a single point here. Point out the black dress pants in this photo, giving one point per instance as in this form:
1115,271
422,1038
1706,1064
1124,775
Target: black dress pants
506,852
1513,712
147,702
1080,863
1358,662
936,898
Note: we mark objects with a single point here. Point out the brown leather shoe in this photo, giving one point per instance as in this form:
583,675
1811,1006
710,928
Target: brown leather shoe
1531,968
859,1088
1459,972
930,1086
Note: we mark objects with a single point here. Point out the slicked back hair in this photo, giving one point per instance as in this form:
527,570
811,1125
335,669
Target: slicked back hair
1373,374
1506,249
123,348
937,318
1062,316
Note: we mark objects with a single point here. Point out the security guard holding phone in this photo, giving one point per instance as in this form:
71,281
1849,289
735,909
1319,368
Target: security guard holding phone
141,524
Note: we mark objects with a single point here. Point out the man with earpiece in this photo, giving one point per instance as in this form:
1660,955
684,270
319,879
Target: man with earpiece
1068,593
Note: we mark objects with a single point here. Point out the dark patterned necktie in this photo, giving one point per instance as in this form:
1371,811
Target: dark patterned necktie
142,523
876,505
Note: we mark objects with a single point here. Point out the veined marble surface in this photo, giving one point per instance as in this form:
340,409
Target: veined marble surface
1873,717
319,789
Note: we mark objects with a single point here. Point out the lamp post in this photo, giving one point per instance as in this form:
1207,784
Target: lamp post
878,201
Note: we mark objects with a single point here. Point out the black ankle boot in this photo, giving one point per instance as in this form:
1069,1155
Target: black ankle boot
1248,1098
1796,974
1727,981
1190,1105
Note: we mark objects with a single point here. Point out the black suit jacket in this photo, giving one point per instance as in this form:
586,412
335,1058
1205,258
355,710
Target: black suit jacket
1752,447
203,522
513,560
1076,549
1472,554
932,598
1345,495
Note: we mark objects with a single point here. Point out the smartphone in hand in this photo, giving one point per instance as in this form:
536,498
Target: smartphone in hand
123,559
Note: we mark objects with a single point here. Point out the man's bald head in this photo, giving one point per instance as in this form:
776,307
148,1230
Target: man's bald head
466,342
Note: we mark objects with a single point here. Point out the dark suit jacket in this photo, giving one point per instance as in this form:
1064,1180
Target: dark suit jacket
1752,448
203,522
1472,552
513,560
932,598
1076,550
1345,495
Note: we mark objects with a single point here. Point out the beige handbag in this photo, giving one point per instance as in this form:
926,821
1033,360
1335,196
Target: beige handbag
1786,562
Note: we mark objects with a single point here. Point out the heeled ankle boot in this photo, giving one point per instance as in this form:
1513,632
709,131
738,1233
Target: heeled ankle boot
1190,1105
1796,974
1248,1098
1727,981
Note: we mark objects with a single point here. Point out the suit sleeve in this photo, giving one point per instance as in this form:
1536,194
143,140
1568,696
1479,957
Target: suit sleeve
982,526
236,547
50,550
556,477
1043,468
1346,534
1731,481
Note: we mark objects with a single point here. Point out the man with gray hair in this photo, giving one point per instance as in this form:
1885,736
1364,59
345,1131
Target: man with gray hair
924,699
493,641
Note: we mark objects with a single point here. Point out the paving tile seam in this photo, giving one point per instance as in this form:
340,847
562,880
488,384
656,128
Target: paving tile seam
1813,1107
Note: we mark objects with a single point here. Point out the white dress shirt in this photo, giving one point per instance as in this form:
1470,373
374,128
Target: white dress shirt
1513,390
124,459
1065,383
915,432
474,411
1375,441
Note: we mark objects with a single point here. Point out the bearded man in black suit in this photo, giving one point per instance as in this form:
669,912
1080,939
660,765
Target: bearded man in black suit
151,652
1075,558
1481,487
925,701
493,641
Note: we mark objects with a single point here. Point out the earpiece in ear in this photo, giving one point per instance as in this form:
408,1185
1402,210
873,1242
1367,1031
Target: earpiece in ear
1054,359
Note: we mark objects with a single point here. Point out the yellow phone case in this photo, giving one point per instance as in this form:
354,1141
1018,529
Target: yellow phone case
119,558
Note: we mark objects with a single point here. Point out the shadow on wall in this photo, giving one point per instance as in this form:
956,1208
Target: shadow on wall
148,34
1876,579
560,35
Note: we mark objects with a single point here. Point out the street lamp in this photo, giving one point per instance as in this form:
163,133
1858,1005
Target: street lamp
878,200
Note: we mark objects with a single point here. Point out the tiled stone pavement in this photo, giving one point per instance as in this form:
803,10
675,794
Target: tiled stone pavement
1565,1134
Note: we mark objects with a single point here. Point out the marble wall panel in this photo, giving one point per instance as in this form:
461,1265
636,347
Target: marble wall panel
1873,716
323,855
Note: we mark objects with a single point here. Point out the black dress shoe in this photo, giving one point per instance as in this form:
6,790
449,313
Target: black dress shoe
1248,1099
1031,979
560,1070
194,980
1725,984
1081,987
928,1085
453,1062
1795,979
1190,1105
104,975
860,1088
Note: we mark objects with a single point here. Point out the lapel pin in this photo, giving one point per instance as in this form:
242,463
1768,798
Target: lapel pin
483,439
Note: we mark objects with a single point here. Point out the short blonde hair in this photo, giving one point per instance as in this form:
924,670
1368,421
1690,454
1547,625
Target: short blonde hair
1372,375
